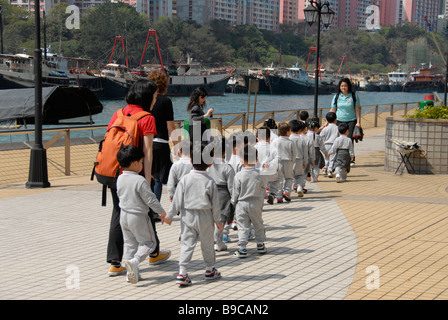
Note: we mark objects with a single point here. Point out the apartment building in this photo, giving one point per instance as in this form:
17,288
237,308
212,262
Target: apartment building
262,13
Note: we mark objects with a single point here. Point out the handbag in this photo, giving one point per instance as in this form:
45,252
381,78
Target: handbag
358,134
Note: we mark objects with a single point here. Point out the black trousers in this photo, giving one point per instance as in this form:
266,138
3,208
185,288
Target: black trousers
116,242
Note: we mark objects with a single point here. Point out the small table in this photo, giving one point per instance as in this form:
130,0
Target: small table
405,154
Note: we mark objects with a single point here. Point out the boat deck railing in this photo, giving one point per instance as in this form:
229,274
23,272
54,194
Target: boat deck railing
372,116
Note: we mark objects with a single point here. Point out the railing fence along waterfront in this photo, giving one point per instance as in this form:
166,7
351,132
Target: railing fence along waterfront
238,120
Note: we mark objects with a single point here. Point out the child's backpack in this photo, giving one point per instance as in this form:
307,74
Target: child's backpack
124,131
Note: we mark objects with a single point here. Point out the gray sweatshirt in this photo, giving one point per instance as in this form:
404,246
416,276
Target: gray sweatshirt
222,173
342,142
285,148
330,133
196,191
301,147
135,194
249,185
177,171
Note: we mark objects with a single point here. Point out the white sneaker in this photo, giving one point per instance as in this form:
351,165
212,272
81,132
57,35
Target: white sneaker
133,274
220,247
338,178
300,192
330,174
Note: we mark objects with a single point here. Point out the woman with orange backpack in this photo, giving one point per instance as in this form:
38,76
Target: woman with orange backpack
141,97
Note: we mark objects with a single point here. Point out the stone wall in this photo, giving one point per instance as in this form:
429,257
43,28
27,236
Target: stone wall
430,134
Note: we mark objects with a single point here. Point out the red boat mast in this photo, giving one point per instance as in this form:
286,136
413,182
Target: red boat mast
152,31
124,50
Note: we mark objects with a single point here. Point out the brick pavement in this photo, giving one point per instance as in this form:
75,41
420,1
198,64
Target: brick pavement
339,242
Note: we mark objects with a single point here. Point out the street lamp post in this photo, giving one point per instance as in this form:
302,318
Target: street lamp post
38,172
318,11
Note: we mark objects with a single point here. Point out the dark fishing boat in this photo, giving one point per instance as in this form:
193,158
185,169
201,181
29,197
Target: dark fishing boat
296,81
425,80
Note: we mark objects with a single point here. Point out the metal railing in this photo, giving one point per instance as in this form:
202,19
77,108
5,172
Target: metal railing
236,119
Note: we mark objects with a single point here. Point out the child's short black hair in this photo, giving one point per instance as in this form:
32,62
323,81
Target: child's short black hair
331,117
263,133
249,154
201,155
128,154
249,137
296,125
220,145
236,139
304,115
342,127
283,128
270,123
313,125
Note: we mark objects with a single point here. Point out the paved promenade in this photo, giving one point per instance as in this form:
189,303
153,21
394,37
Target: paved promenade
377,236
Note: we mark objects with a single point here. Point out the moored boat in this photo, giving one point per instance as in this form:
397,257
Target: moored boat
397,80
17,71
296,81
427,79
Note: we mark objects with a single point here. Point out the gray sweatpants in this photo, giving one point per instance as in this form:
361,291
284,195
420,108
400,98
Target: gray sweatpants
197,224
138,235
247,213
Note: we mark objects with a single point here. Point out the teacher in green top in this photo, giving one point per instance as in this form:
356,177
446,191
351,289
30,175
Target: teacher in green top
347,107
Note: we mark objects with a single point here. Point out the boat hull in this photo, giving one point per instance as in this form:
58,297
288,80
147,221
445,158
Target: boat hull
183,87
424,86
280,85
263,85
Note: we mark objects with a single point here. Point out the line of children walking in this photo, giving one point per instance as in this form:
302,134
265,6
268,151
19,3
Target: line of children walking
209,192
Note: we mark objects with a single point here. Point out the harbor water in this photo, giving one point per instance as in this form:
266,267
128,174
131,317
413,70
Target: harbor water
231,103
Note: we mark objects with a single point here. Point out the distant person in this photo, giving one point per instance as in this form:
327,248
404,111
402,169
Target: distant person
196,115
297,136
286,153
329,132
343,150
346,105
265,151
319,150
136,198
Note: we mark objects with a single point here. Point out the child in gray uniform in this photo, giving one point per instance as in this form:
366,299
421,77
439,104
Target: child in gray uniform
319,149
302,156
249,187
136,198
197,200
223,175
286,152
343,150
264,152
329,133
179,168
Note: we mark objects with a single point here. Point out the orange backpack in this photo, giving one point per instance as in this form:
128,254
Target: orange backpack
124,131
